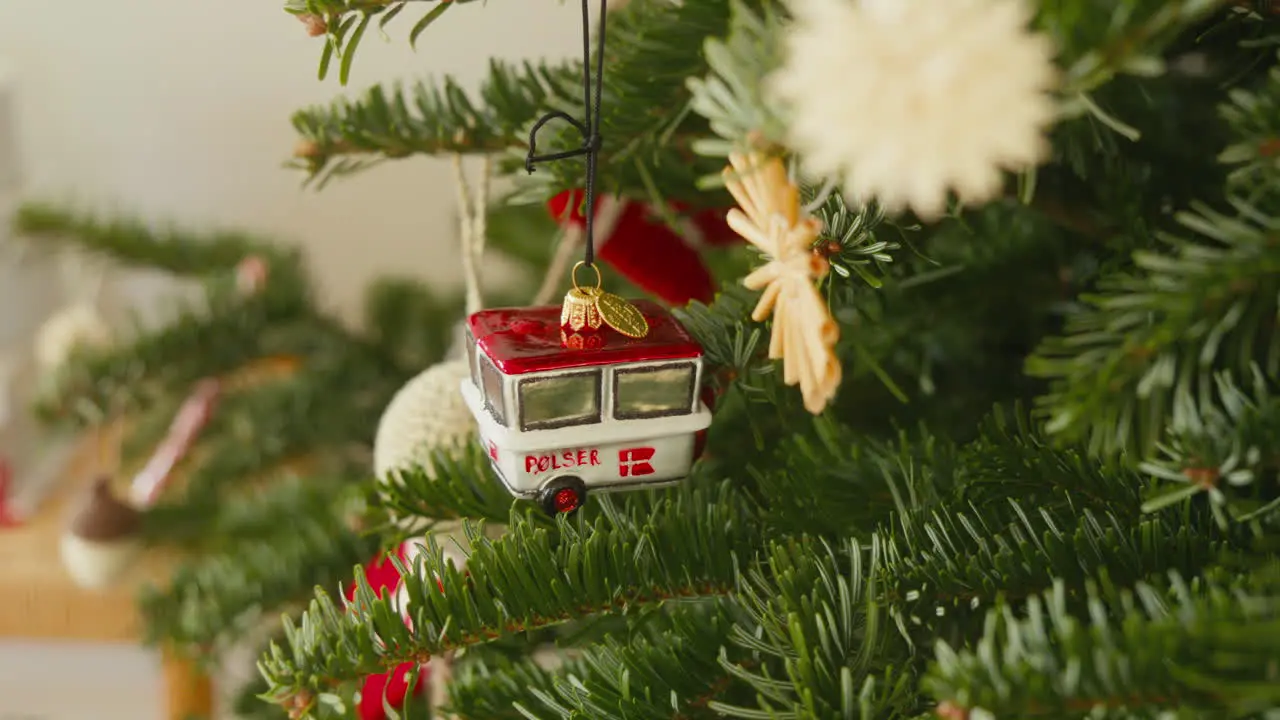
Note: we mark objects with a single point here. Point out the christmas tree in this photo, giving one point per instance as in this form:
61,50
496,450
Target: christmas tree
991,377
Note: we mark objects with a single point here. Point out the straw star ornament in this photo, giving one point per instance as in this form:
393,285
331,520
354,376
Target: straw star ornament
769,217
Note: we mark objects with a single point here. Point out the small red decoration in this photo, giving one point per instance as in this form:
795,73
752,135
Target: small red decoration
251,274
8,516
645,250
566,500
635,461
394,686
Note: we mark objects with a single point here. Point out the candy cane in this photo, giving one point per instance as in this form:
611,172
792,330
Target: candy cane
187,424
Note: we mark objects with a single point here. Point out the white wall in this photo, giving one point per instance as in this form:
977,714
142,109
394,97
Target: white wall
180,108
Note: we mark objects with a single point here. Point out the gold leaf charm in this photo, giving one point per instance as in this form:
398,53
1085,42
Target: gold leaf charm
621,315
580,309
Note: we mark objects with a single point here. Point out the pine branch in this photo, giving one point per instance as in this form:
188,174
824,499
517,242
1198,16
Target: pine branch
835,482
453,483
348,136
1204,650
135,242
687,546
1096,45
343,23
316,411
213,600
942,568
492,688
732,95
1144,350
223,334
1225,452
245,508
414,324
1255,119
1013,459
667,673
645,121
818,629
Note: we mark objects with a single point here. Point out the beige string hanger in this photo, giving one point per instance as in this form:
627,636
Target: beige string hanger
473,226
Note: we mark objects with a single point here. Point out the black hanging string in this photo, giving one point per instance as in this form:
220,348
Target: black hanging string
589,127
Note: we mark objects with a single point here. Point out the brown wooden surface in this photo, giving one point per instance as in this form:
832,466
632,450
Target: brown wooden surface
188,692
38,600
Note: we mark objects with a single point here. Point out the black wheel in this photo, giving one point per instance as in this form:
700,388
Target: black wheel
562,495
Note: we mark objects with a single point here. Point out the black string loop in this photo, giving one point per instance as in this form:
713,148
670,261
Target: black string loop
588,128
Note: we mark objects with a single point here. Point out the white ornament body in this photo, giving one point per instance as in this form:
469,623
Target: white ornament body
97,564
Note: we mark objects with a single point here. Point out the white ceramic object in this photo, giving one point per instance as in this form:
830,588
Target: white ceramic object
96,564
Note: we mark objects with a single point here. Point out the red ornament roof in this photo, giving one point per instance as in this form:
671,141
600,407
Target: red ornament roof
525,340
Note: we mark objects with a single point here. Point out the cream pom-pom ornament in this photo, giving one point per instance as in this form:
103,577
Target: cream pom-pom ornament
904,101
427,414
78,325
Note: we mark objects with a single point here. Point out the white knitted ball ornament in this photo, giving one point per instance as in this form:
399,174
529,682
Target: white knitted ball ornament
427,414
69,329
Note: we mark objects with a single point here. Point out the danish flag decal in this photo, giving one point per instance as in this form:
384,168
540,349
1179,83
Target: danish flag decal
635,461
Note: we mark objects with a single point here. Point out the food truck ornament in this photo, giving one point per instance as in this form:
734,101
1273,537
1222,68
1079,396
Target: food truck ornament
565,411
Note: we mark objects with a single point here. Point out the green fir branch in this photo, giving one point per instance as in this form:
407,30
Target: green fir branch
1012,458
834,482
818,630
1145,349
1224,451
229,332
1098,40
1207,651
153,245
732,95
453,483
492,688
671,673
345,23
1254,117
348,136
210,602
942,569
688,545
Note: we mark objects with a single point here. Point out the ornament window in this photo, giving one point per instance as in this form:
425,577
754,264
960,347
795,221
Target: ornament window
652,392
493,391
471,358
557,401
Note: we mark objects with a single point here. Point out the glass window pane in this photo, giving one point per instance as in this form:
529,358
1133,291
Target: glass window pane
653,392
493,391
471,358
560,401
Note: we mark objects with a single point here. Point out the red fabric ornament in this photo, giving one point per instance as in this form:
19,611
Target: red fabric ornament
394,686
9,517
645,250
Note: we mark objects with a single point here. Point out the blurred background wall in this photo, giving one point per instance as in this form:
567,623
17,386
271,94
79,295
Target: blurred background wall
180,108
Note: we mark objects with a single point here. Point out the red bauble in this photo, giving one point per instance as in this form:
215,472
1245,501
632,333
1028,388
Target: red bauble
394,686
646,251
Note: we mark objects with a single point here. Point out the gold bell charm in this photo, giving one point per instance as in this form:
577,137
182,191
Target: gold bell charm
580,308
592,307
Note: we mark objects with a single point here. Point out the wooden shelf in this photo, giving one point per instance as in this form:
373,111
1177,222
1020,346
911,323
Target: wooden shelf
40,602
